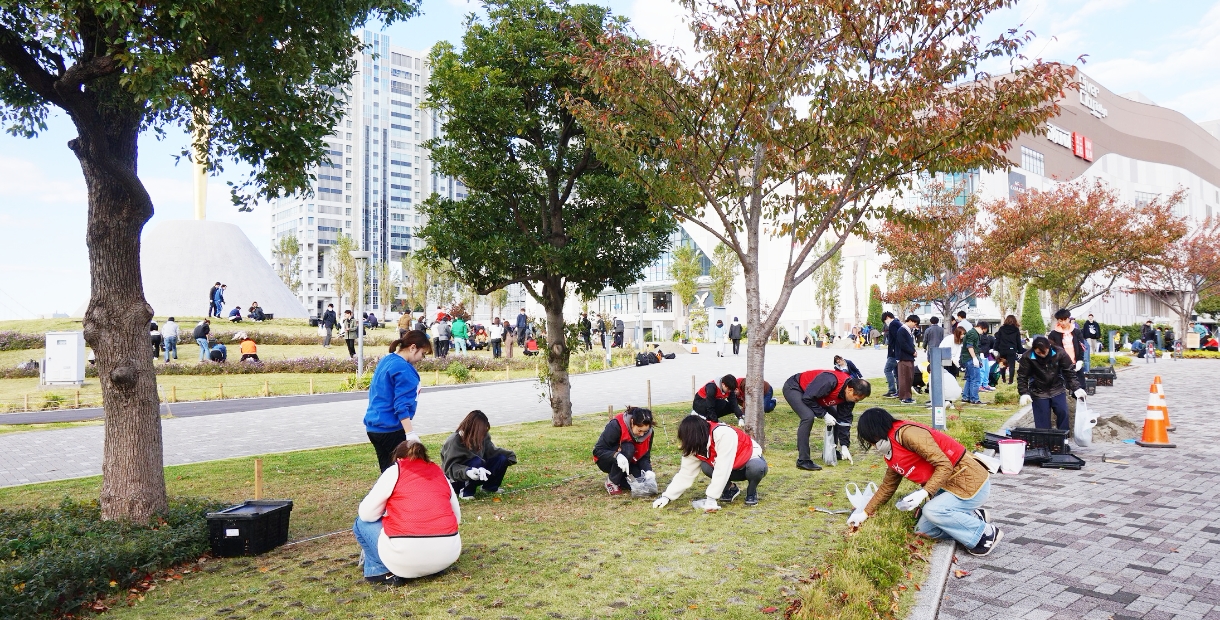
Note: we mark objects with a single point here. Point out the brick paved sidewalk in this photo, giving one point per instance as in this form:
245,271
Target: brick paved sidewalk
1111,541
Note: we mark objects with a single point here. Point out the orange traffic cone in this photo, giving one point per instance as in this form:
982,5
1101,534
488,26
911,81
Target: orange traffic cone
1155,422
1160,390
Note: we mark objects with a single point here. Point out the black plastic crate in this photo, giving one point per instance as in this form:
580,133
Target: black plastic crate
991,440
1035,456
1063,461
1090,386
1052,439
250,528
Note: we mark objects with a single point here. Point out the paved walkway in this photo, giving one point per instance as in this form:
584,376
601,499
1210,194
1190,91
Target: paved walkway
1111,541
40,456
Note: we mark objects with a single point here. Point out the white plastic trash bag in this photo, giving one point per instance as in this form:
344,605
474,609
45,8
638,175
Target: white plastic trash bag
830,455
1085,421
859,499
949,389
644,486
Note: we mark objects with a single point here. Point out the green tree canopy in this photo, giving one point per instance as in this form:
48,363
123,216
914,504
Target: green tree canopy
874,307
542,209
1031,313
260,82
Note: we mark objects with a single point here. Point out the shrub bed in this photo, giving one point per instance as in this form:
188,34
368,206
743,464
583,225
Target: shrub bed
375,337
1201,355
53,561
17,341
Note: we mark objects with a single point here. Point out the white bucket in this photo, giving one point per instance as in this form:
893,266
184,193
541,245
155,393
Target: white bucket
1012,455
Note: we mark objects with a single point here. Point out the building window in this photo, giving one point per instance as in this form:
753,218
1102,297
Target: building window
1143,199
662,302
1033,161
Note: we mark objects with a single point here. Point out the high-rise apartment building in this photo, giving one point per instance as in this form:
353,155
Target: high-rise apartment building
377,175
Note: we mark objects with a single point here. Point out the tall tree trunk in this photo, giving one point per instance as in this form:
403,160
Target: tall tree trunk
756,344
558,353
116,322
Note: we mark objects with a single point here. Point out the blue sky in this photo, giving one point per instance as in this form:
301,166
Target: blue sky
1166,49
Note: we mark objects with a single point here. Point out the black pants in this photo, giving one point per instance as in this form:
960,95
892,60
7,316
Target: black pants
736,345
351,347
715,408
637,468
842,414
497,465
495,347
384,444
588,338
1011,371
752,472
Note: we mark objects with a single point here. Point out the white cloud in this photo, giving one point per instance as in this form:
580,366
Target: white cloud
663,22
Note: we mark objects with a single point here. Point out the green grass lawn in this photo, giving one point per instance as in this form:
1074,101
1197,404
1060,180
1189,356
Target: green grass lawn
556,545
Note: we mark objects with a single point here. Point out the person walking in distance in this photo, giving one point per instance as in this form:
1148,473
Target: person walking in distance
169,337
721,336
619,329
200,335
393,392
586,329
212,311
348,332
891,326
1008,345
904,351
828,395
218,299
495,335
523,324
735,335
329,320
1091,330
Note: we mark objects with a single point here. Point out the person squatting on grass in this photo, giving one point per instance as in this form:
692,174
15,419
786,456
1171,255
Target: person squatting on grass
723,453
471,460
1043,380
716,399
625,449
828,395
956,482
768,397
408,523
393,391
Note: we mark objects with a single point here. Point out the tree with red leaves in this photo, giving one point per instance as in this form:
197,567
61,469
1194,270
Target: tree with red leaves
1187,271
1079,240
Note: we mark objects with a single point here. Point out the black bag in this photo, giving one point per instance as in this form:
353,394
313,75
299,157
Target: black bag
671,356
642,359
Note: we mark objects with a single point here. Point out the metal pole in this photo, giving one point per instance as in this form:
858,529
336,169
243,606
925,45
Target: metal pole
360,321
1113,334
936,373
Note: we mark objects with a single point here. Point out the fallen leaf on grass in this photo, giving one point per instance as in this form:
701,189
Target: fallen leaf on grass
959,573
917,588
769,610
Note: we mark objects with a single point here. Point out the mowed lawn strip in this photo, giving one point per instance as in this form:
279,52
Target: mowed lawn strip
556,543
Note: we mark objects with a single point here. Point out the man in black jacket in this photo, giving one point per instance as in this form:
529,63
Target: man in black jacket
1092,334
904,353
735,334
1044,379
829,395
891,358
328,323
586,330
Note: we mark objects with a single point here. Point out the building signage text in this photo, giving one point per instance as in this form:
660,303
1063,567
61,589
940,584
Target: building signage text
1088,98
1082,147
1059,135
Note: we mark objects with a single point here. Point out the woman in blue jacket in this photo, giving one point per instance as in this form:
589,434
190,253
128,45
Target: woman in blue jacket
392,396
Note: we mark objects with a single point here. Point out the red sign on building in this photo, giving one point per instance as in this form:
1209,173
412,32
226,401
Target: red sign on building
1082,147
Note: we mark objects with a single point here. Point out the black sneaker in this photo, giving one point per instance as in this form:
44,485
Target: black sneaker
808,466
730,493
889,395
907,401
983,514
991,537
752,499
388,580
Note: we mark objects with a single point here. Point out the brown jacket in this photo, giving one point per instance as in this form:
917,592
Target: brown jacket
963,481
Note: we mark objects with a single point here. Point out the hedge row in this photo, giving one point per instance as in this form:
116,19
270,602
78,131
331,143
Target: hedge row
58,559
17,341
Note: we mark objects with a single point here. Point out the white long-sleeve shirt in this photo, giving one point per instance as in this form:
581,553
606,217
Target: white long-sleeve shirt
726,450
372,507
169,330
409,557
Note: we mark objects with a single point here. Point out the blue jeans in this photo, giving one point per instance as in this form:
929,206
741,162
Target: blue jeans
1042,411
985,371
891,374
949,516
497,465
366,534
171,344
459,344
971,391
203,348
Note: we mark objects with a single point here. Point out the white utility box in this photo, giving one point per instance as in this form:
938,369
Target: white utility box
65,360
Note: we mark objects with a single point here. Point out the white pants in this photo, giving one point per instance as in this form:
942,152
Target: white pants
418,557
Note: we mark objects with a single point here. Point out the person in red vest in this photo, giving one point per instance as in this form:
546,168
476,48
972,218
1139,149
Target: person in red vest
768,396
723,453
408,523
956,482
828,395
717,399
625,449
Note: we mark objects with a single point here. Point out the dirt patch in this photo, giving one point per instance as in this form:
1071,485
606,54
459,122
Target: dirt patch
1114,429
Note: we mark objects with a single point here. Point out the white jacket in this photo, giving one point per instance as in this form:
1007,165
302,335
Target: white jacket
726,450
409,557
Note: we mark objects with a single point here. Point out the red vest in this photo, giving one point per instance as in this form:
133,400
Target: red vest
702,393
745,446
419,506
642,446
831,399
911,465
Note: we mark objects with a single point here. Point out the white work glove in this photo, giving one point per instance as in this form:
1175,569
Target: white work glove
411,436
649,475
706,505
845,454
1080,393
478,473
830,421
622,463
661,502
978,363
741,421
1025,400
1079,365
857,518
912,501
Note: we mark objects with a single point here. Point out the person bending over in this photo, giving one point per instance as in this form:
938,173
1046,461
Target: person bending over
393,391
625,449
956,482
827,395
723,453
471,460
408,523
1044,378
716,399
768,396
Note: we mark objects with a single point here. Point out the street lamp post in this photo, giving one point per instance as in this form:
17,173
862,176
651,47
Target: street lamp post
362,257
